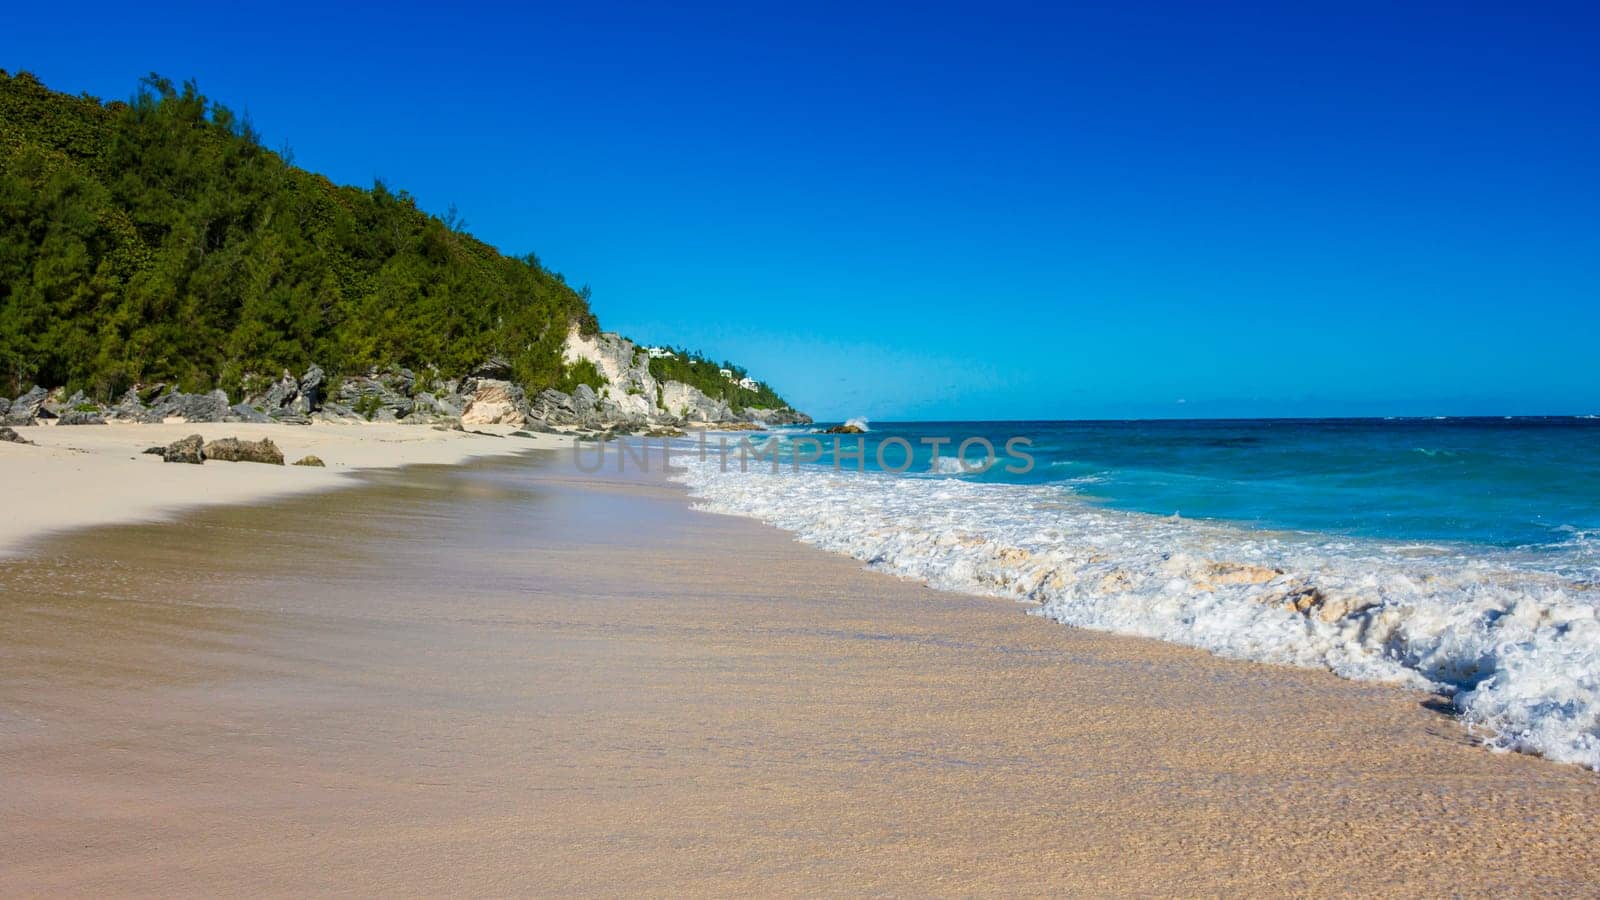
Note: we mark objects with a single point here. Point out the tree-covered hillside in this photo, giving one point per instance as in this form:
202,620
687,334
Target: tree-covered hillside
157,240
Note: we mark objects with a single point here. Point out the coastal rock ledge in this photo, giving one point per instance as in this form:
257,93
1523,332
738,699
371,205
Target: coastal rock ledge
617,389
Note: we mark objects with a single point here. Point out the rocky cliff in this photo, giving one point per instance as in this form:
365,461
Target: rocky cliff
633,393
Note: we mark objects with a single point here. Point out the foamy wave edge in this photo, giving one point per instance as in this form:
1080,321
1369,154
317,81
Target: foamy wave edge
1516,646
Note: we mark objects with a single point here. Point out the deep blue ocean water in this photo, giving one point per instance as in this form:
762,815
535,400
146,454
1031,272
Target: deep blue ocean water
1504,482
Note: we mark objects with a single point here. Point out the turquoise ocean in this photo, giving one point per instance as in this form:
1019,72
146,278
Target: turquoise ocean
1459,555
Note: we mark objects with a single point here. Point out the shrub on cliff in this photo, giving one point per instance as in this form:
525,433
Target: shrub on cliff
696,371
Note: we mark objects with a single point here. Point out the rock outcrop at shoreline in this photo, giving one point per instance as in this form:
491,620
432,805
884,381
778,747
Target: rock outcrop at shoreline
235,450
630,398
195,451
185,450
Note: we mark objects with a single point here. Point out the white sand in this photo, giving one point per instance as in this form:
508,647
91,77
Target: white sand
85,475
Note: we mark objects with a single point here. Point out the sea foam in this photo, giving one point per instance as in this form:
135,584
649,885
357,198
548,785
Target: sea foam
1512,638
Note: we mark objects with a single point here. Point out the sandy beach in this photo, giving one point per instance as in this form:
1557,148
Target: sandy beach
72,477
505,677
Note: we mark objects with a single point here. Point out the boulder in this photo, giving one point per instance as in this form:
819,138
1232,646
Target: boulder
82,415
235,450
212,407
309,398
379,397
243,412
5,407
11,437
451,404
554,407
401,380
130,408
846,428
185,450
277,395
26,409
313,379
584,400
495,402
430,410
161,407
310,461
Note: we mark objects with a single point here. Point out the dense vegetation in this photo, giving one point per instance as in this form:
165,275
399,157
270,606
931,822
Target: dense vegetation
697,371
157,240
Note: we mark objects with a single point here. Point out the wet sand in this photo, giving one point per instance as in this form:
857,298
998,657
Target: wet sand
508,678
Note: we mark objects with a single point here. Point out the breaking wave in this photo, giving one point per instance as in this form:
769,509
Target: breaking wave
1511,636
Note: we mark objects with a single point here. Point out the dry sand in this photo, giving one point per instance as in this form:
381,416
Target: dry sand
96,474
503,678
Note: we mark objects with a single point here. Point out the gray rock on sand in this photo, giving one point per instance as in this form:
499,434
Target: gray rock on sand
235,450
288,400
246,413
429,409
185,450
25,409
281,393
5,407
310,396
11,437
81,416
130,408
311,461
212,407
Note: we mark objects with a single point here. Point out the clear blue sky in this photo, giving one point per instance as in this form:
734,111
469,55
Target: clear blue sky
986,211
